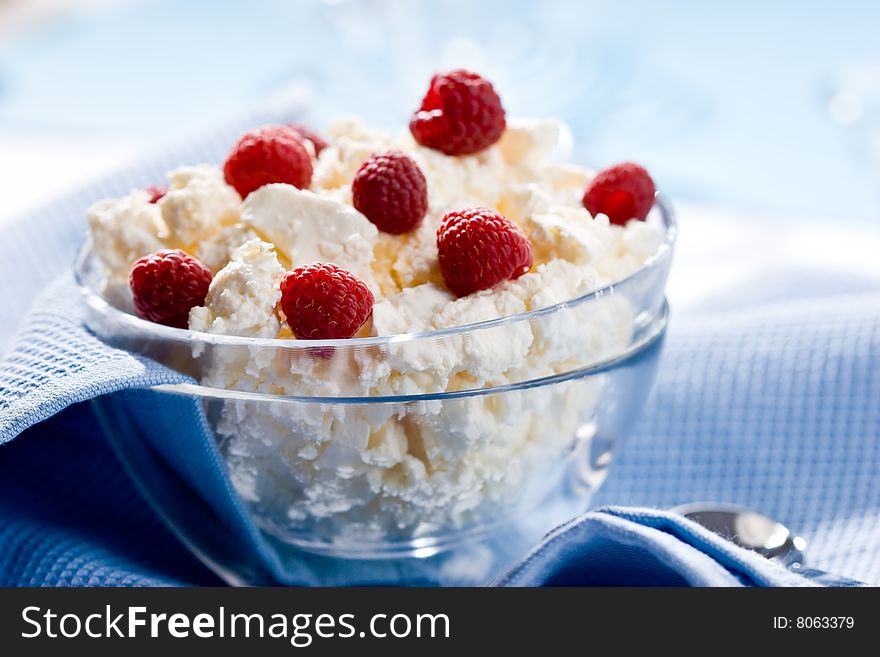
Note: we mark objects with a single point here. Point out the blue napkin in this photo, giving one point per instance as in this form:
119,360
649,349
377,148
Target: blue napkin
777,410
618,546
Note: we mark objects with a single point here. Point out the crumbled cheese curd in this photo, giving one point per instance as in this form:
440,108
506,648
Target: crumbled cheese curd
394,470
197,205
242,297
198,214
124,229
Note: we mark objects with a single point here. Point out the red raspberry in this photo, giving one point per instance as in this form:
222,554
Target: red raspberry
307,133
390,190
167,284
479,248
271,154
156,192
323,301
622,192
460,114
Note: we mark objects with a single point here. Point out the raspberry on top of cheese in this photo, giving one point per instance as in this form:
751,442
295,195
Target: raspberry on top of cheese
460,114
167,284
269,154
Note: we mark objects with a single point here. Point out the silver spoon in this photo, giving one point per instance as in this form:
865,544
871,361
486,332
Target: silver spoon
748,529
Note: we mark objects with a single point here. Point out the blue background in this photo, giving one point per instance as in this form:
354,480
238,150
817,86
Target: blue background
725,103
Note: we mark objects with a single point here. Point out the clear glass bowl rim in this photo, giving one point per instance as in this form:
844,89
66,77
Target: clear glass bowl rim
153,330
658,328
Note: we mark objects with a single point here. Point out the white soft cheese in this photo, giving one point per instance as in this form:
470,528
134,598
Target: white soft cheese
411,311
198,203
306,228
125,229
529,142
485,355
351,144
242,297
632,246
461,182
217,250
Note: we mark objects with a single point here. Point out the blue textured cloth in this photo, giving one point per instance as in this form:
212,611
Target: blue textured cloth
772,405
641,547
775,407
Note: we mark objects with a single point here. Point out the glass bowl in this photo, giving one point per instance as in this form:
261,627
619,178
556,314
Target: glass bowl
435,457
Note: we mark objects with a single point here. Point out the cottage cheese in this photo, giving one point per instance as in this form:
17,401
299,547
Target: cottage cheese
197,205
197,214
123,230
306,227
394,471
242,297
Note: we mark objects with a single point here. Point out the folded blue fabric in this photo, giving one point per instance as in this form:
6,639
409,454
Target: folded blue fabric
773,405
618,546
